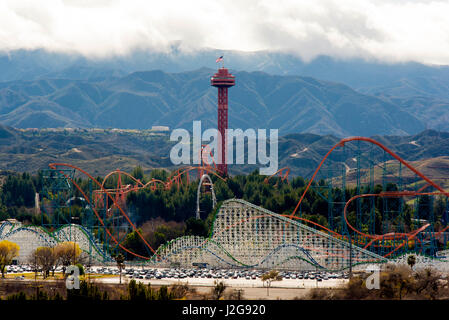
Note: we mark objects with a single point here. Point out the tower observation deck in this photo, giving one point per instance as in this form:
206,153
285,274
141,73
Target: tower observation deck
222,80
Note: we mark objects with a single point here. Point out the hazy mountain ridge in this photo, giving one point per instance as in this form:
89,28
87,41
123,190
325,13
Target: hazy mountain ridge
43,89
357,73
259,100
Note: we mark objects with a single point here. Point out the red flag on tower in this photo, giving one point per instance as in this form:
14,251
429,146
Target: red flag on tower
219,59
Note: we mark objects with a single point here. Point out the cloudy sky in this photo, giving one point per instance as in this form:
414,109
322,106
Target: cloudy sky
386,30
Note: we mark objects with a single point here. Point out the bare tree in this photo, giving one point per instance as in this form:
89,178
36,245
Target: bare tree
269,277
120,259
218,290
44,259
411,261
67,253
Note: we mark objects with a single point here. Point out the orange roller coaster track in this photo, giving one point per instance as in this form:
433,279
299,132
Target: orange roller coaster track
176,178
393,235
420,192
55,167
121,190
394,155
282,173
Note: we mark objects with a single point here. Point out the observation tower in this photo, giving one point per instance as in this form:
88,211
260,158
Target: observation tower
222,80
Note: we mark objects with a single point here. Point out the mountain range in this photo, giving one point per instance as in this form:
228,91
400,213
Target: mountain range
141,100
357,73
278,90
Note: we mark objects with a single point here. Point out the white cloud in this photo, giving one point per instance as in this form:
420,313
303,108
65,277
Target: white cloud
388,30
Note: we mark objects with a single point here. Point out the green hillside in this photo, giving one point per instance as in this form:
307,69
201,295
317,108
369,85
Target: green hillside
99,151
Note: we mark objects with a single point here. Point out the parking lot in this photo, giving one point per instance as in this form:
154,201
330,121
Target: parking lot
207,276
247,274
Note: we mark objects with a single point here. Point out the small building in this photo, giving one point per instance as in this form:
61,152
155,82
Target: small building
160,128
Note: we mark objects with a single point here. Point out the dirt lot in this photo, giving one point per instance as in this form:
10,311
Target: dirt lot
286,289
261,293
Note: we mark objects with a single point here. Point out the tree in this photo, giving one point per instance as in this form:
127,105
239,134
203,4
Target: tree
134,243
80,268
138,291
87,291
218,290
236,294
18,190
44,258
411,261
427,284
8,251
66,253
269,277
395,283
120,259
196,227
138,173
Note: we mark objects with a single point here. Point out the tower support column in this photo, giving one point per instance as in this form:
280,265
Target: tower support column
222,80
222,127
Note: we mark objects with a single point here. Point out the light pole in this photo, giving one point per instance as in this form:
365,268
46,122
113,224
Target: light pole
90,262
74,242
350,256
